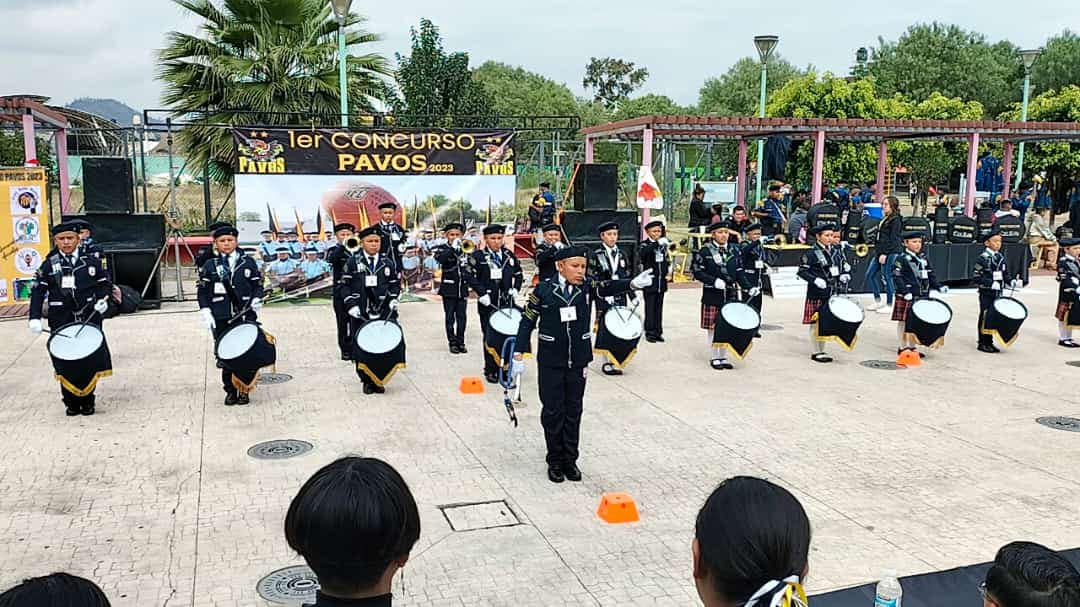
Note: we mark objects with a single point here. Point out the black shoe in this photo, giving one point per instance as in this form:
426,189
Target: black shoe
88,410
243,399
987,349
377,389
218,365
922,355
369,388
573,473
462,349
821,357
230,399
1068,343
757,334
726,365
651,339
72,411
555,474
454,349
609,369
345,356
492,378
660,338
716,364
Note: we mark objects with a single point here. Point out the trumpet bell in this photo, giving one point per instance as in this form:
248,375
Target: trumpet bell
468,246
352,244
862,250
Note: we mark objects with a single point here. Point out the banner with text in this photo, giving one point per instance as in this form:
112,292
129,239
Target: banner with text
24,228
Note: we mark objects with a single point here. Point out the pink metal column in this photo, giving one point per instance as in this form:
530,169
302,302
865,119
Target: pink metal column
1007,170
590,149
646,160
62,164
882,161
969,191
29,143
819,166
740,180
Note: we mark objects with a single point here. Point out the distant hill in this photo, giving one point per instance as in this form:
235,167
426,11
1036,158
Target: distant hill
112,109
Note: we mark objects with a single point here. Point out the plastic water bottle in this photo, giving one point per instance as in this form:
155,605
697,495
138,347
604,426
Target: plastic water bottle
888,593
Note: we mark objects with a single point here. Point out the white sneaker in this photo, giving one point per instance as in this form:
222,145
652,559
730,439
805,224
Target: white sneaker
884,309
874,306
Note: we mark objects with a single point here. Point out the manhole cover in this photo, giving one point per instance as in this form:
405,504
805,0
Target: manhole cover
883,365
274,378
289,586
479,515
1073,363
772,327
280,449
1069,424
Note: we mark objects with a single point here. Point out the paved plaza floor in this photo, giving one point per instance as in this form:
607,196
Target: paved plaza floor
156,499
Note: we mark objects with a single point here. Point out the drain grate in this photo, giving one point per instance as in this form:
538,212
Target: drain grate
280,449
274,378
289,586
881,365
479,515
1068,424
772,327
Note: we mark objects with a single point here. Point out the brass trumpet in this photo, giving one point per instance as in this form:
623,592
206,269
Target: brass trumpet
862,250
352,244
467,246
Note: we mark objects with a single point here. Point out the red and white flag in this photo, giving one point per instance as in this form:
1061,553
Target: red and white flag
648,193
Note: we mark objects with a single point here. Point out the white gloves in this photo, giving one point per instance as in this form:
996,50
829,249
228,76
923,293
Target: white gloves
845,278
559,245
943,289
908,297
820,283
355,312
1014,283
35,326
719,283
393,304
663,241
256,304
517,368
101,306
642,280
512,292
456,244
1075,281
208,318
755,291
610,301
485,300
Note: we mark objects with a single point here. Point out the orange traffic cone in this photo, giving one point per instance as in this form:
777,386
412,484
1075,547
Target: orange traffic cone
617,508
471,385
908,357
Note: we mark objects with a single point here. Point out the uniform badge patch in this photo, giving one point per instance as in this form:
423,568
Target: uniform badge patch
91,271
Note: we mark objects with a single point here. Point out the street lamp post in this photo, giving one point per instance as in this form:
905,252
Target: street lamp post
341,12
765,47
1029,56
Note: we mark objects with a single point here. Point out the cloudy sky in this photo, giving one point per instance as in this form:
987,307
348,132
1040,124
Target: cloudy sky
105,48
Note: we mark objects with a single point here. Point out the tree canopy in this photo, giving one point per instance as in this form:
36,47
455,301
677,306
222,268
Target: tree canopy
1059,64
516,91
612,80
735,93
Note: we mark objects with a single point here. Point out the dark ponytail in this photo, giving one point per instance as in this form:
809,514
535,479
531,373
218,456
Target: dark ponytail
1026,574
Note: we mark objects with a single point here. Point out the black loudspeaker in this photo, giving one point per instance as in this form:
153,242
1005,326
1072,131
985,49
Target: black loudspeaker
1012,230
134,268
596,187
962,230
985,220
941,224
579,225
870,230
107,185
918,224
627,246
114,231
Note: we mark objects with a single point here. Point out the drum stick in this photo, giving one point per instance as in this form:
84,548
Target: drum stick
56,334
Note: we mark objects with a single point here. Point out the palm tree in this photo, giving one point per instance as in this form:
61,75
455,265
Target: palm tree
256,59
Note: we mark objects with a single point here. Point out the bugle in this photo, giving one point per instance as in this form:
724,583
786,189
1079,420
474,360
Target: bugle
468,246
352,244
862,250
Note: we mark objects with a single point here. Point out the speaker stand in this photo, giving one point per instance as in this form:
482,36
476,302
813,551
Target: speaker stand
177,236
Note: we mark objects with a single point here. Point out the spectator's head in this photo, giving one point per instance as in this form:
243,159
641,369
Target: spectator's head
802,195
56,590
751,542
774,191
354,522
1006,204
738,213
544,186
699,192
892,205
1025,574
552,233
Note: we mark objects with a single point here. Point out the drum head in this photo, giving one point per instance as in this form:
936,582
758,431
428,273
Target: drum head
237,341
621,322
64,345
1010,308
741,316
506,320
379,336
845,309
932,311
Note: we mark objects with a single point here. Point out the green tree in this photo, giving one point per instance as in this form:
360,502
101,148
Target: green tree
735,93
519,92
255,60
936,57
1059,64
612,80
1059,160
436,87
930,162
649,105
12,155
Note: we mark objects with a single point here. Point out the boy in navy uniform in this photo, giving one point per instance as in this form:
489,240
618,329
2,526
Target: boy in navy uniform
560,307
820,272
228,284
77,287
717,265
495,276
1068,276
370,286
454,288
752,269
607,263
337,256
914,279
655,257
546,250
392,234
992,276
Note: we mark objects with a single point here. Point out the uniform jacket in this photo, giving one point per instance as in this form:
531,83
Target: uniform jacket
91,283
991,271
712,262
751,266
565,344
393,241
601,269
227,292
455,272
818,263
481,265
656,258
357,288
337,257
1068,275
912,274
545,260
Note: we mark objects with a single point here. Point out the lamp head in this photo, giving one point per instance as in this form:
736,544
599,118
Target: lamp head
765,46
862,55
1029,56
341,9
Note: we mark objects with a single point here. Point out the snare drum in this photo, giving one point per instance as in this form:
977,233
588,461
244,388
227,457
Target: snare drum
502,325
839,320
1003,320
618,336
736,325
379,350
927,321
79,362
244,350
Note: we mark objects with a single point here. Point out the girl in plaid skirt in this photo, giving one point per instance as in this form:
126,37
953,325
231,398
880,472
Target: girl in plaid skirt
716,265
820,273
1068,275
913,279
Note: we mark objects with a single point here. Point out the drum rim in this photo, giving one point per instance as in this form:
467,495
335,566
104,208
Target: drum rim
855,304
741,306
936,301
626,315
382,324
500,312
58,333
1017,302
230,330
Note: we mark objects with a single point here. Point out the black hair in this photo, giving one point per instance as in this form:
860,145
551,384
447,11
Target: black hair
751,532
55,590
1025,574
350,521
738,208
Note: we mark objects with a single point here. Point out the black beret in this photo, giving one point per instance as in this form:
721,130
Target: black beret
654,224
344,226
774,188
545,184
281,250
719,225
1070,242
453,226
551,227
607,225
822,227
568,252
225,230
80,224
754,226
65,226
388,205
908,235
368,231
218,224
494,228
994,231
